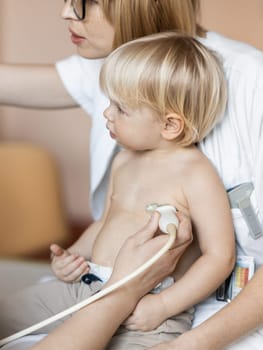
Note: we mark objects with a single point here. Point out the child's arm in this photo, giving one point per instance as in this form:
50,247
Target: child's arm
84,245
69,265
212,223
237,319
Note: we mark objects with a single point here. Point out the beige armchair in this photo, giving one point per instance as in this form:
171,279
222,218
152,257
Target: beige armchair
31,207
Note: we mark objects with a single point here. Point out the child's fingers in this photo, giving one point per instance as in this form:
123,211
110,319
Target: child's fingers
56,250
79,264
76,274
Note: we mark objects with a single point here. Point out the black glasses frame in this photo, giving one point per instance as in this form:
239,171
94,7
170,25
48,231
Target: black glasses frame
83,3
83,9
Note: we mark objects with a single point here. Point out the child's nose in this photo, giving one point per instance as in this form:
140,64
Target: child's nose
107,114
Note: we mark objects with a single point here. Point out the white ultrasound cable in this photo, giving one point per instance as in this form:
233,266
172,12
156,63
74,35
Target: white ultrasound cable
168,223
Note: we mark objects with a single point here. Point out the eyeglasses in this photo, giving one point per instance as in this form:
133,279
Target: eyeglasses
79,8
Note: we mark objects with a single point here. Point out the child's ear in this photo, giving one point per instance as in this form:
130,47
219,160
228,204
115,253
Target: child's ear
173,126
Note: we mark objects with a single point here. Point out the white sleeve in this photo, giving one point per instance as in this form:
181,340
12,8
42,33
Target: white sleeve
71,74
80,77
257,131
245,119
253,104
254,113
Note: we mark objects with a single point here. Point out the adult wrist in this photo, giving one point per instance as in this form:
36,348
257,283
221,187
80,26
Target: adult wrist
132,290
126,296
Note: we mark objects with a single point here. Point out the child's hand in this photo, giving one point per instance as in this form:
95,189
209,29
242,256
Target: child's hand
66,266
147,315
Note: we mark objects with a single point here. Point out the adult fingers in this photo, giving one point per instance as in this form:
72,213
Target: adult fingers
184,231
148,230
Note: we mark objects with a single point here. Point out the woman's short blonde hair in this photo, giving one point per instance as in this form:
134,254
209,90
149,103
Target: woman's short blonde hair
133,19
170,73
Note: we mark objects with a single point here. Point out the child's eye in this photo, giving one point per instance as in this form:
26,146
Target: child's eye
119,109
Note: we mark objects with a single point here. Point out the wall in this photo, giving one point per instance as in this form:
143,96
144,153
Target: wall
238,19
31,31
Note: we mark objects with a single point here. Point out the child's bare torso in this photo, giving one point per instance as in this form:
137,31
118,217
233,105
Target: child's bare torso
139,180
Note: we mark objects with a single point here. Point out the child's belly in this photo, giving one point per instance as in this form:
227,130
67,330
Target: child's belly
113,235
115,232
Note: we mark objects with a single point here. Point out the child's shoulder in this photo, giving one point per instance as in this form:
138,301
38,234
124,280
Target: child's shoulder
198,177
190,156
195,163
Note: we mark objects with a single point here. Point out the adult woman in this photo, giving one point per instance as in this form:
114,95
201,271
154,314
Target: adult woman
234,145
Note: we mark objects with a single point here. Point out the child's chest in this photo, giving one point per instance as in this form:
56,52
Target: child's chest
141,182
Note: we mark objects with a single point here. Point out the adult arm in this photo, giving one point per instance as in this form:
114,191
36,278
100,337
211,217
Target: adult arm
237,319
33,86
95,323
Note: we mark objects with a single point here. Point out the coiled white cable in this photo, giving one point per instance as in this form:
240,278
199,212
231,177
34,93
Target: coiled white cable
168,223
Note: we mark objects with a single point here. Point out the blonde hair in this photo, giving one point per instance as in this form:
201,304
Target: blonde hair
170,73
133,19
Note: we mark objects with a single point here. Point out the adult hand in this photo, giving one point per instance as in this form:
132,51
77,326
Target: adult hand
66,266
141,246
